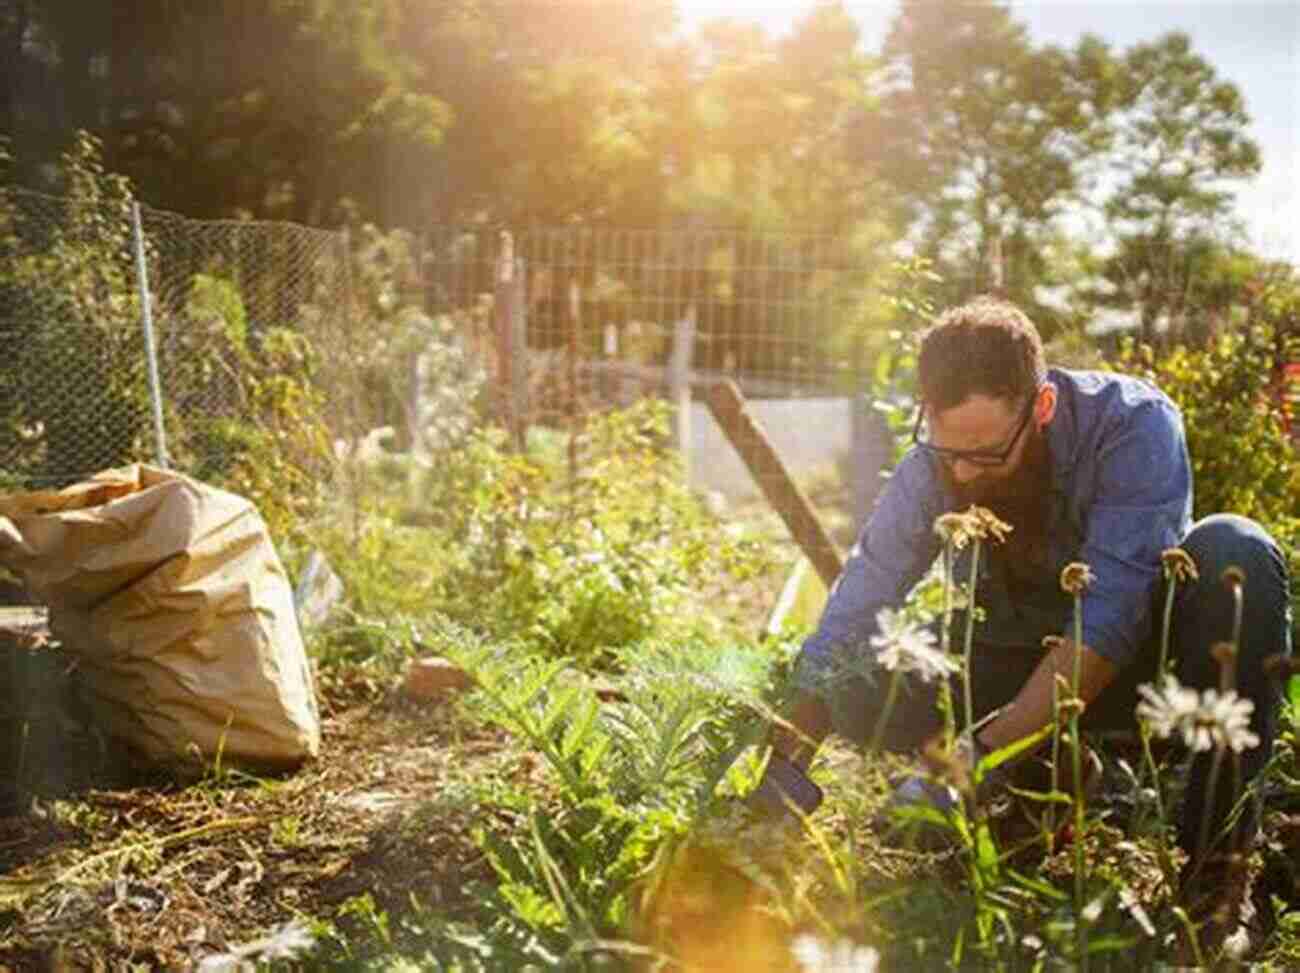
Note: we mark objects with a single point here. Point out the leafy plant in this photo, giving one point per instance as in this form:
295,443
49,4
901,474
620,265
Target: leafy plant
73,397
1242,459
579,566
626,777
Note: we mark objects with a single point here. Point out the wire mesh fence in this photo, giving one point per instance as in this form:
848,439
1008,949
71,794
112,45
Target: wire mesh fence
279,344
415,337
573,320
75,395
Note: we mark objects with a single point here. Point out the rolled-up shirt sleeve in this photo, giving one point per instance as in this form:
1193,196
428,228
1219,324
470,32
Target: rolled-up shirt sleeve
893,551
1140,508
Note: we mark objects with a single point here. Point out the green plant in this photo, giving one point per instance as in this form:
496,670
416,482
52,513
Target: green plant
247,412
626,779
73,397
1242,459
579,566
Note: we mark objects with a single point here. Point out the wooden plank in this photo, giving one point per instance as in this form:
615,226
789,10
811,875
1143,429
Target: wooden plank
778,486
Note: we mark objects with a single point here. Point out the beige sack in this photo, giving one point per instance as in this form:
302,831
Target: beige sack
171,595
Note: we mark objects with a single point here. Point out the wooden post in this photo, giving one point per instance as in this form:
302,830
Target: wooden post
868,455
611,388
512,349
679,385
760,456
575,327
521,406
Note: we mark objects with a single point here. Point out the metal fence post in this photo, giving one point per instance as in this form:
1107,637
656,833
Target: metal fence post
146,320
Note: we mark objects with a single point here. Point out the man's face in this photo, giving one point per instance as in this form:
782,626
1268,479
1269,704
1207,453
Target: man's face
988,424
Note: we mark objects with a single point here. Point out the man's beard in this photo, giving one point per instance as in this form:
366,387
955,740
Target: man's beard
1019,499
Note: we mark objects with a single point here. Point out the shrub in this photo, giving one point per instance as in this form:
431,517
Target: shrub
73,398
1242,460
579,566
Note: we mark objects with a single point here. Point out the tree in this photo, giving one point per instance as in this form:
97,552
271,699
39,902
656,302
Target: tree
551,119
759,136
275,108
1180,141
983,135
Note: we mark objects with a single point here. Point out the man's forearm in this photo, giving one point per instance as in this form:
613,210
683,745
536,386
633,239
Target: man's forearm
1031,709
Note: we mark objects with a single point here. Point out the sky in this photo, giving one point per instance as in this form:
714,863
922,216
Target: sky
1254,44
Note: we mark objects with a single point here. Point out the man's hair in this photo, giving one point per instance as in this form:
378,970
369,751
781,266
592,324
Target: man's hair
985,347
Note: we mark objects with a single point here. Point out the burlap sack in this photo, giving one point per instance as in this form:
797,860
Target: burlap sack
172,597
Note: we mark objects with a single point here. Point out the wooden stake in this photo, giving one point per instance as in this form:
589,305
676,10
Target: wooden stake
760,456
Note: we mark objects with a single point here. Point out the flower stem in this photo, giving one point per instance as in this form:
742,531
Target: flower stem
970,634
1166,623
945,642
891,696
1075,739
1056,762
1230,670
1211,795
1162,838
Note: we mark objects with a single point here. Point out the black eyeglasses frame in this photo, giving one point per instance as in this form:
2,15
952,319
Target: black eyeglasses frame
976,457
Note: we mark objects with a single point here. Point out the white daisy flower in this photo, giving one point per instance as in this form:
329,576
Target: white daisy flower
1224,718
814,955
903,646
1204,722
1166,709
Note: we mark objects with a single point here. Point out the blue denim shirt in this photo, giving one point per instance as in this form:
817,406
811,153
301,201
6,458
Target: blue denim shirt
1121,494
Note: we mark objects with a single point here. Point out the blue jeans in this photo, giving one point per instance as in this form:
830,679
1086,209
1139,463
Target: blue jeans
1202,616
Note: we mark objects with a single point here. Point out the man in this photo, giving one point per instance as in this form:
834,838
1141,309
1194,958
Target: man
1085,466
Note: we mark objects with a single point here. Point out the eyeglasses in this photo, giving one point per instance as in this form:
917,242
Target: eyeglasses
976,457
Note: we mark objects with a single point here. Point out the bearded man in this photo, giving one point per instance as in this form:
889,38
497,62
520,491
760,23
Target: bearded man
1086,467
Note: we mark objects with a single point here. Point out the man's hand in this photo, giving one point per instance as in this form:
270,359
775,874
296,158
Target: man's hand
1032,708
784,791
808,724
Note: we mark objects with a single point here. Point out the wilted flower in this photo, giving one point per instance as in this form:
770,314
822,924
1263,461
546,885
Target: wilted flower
815,955
959,529
1206,721
1179,565
1224,653
1279,666
1076,577
1233,577
989,524
954,528
903,646
1071,707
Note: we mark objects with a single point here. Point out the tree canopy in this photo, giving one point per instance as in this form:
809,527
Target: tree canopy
962,140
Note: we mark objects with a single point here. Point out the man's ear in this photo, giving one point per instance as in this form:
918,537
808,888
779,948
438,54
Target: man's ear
1045,407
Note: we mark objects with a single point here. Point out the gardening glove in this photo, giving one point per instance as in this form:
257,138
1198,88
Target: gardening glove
784,792
940,790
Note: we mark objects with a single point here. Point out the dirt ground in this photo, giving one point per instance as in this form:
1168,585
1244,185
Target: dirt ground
99,871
